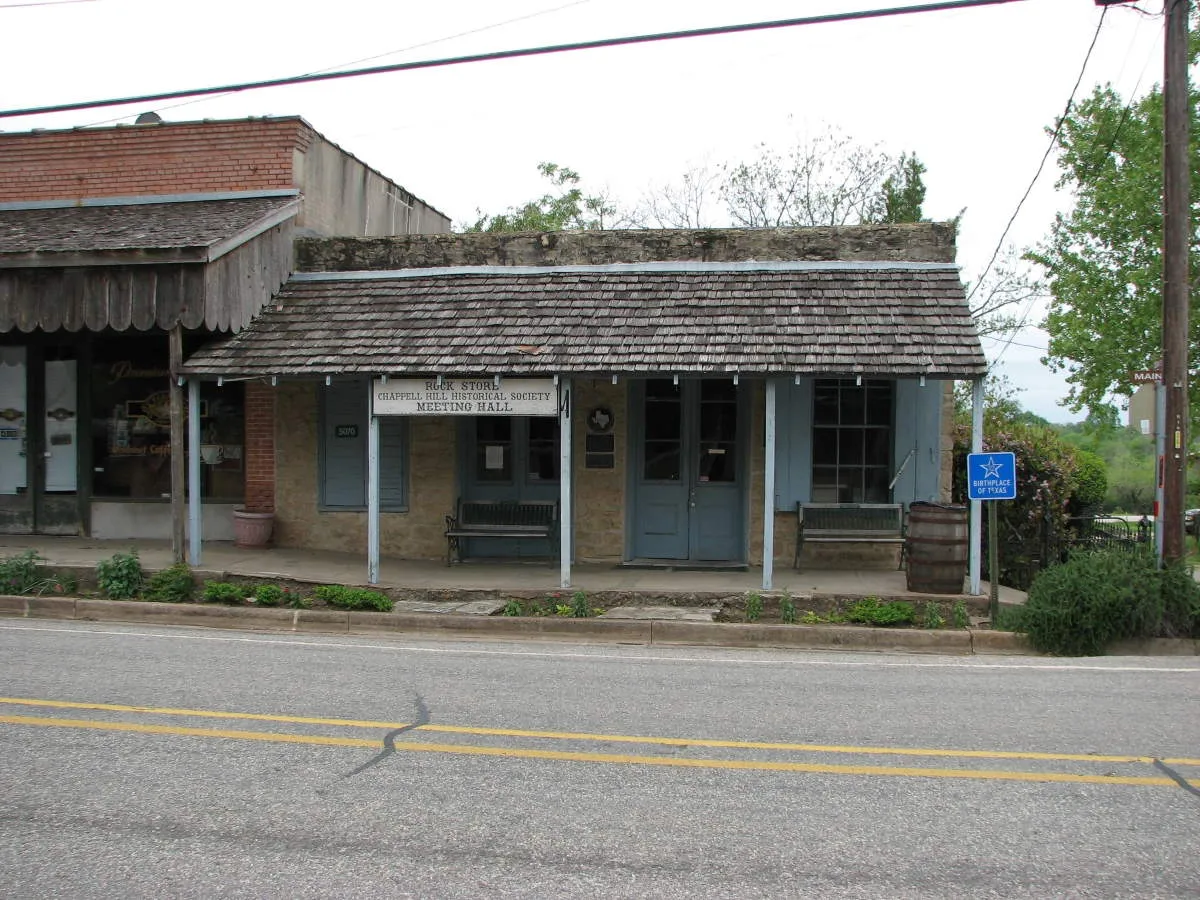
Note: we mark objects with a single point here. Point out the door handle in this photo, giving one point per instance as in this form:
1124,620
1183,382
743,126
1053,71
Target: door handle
47,454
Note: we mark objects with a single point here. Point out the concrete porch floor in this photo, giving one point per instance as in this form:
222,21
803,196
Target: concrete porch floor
323,566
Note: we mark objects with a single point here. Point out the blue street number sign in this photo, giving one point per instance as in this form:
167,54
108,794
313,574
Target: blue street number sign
991,476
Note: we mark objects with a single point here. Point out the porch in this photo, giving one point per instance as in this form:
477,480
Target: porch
222,559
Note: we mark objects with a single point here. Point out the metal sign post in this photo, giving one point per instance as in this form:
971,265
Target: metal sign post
990,477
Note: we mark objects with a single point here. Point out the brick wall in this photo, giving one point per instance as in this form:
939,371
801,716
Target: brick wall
152,159
259,459
922,242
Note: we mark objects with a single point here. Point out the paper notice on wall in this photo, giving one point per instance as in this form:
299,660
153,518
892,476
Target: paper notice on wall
494,456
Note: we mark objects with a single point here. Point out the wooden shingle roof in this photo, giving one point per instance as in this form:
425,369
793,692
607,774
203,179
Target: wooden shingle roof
898,319
55,235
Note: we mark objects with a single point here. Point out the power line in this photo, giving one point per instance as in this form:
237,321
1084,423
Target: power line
1036,175
944,5
352,62
43,3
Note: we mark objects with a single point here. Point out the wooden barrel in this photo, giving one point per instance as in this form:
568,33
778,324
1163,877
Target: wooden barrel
937,548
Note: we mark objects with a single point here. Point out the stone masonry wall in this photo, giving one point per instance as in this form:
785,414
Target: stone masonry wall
299,521
599,496
921,242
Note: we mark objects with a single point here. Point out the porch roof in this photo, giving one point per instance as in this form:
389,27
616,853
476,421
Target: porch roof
754,318
134,230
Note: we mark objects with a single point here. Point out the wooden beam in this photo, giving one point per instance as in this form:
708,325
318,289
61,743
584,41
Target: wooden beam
178,481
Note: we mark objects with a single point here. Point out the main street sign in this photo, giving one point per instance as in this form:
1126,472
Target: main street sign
1146,376
991,476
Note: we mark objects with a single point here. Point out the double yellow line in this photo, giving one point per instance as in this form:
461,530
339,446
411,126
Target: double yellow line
374,743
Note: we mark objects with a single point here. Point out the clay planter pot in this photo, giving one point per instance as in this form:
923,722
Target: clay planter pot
252,529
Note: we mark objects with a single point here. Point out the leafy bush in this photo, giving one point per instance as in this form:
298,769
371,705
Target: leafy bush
1091,482
1045,483
580,608
224,592
120,577
513,607
931,616
961,617
870,611
754,606
269,595
1079,608
787,609
19,574
354,598
171,585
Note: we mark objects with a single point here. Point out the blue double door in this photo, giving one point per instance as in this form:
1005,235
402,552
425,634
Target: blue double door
689,472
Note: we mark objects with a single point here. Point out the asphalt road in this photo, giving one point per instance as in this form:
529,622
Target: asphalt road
144,762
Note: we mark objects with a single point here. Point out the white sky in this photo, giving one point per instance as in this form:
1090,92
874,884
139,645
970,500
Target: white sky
970,91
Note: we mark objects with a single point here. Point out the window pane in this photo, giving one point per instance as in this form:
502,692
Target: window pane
541,461
718,421
825,485
879,406
717,462
662,461
853,406
663,420
662,389
878,448
824,446
718,389
825,403
876,485
850,447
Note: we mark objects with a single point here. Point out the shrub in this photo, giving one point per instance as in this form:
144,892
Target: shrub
870,611
1091,482
959,614
171,585
224,592
120,577
18,574
754,606
931,615
1045,483
513,607
269,595
787,609
354,598
1082,606
580,608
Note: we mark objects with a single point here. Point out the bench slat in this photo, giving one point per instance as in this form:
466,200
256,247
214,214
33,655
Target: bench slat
500,519
852,523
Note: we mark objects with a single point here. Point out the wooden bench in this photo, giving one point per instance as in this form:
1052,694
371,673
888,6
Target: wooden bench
841,523
500,519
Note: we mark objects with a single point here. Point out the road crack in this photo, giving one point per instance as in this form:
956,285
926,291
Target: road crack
389,739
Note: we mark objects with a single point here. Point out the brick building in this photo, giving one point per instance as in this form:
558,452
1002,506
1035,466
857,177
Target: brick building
124,249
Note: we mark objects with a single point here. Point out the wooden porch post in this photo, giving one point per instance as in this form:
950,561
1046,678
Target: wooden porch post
769,490
372,486
976,505
195,512
178,482
564,481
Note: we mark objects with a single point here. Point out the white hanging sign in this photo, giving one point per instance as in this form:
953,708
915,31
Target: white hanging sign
465,397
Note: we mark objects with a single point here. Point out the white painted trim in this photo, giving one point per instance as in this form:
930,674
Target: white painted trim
975,567
769,490
373,481
565,419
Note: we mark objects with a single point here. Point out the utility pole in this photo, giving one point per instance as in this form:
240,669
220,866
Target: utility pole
1176,244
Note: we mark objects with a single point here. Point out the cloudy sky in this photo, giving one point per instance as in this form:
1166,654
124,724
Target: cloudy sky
970,91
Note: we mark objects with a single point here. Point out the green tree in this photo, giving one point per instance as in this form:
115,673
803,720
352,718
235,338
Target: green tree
903,191
1103,258
564,207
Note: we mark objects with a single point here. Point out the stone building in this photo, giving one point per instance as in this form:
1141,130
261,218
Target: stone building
674,394
124,249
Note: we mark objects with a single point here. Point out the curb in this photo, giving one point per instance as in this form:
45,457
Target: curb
617,631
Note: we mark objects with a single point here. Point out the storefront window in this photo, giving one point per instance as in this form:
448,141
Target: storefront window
131,425
852,440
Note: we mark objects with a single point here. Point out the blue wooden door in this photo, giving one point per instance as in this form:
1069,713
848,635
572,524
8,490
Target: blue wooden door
688,503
